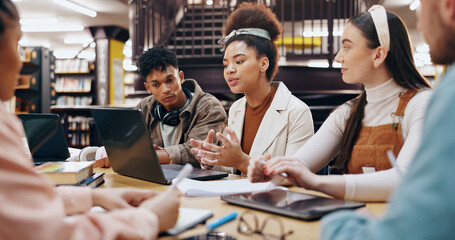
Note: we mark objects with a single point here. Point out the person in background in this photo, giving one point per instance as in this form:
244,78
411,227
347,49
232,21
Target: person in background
388,115
32,208
423,206
268,119
178,109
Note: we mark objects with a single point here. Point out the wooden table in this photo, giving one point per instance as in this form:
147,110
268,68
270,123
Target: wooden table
301,229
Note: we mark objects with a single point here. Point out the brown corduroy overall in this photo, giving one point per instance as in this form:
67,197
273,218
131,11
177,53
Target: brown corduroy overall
370,149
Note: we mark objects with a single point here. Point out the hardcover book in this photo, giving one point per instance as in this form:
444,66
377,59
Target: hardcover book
93,181
66,172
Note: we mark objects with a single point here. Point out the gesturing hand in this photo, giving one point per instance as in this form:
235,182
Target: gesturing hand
199,146
229,154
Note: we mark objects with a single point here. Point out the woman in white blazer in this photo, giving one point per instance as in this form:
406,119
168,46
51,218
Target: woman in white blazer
268,119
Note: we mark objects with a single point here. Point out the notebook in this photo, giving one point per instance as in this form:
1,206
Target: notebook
45,137
130,148
189,218
192,188
292,204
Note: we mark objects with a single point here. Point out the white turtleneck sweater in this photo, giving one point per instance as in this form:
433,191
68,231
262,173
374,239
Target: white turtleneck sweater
381,102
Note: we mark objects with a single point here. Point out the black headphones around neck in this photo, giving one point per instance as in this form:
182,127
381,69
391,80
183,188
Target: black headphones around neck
171,118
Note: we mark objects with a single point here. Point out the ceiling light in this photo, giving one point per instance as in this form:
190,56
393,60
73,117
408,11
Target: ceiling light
414,5
89,55
128,42
128,52
78,40
25,42
318,63
65,53
75,7
423,48
38,21
130,68
53,28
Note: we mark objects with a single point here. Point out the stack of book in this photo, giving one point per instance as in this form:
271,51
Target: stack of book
72,173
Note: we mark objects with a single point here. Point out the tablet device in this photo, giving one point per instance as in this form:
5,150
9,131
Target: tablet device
292,204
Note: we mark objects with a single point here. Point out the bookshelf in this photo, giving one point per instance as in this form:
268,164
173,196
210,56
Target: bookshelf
78,126
32,91
134,88
74,83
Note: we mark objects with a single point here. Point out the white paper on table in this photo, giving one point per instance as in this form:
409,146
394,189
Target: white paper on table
194,188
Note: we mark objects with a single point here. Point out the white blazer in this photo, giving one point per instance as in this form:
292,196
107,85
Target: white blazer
286,125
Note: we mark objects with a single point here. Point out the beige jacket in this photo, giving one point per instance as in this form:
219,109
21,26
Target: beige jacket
286,125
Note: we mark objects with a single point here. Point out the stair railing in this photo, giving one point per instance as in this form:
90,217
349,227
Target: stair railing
311,28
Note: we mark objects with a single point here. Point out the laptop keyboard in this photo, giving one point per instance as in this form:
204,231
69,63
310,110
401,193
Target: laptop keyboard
170,174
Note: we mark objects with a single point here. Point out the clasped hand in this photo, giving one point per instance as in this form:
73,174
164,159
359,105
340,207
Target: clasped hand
164,205
297,173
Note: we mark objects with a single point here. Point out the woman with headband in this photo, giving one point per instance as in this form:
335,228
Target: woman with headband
387,115
268,119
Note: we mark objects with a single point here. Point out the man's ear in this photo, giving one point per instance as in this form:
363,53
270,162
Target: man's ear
147,87
181,76
380,56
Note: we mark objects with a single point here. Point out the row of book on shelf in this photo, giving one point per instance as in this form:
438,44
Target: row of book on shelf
79,123
79,139
71,65
74,100
71,84
19,105
71,173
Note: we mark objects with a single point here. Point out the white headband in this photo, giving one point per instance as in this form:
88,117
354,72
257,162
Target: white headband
379,16
250,31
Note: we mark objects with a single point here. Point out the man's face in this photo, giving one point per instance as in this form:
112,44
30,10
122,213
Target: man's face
436,31
166,86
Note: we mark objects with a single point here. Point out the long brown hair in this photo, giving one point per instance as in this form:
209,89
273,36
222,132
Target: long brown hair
7,9
399,62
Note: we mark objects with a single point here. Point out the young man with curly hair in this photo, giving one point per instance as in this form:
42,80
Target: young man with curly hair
177,109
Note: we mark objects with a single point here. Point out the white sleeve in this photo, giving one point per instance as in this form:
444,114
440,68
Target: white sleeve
325,144
378,186
301,128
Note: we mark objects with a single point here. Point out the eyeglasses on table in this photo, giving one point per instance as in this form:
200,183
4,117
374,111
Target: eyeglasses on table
249,225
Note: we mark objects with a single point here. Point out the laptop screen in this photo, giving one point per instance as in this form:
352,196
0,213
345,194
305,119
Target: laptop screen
128,143
45,137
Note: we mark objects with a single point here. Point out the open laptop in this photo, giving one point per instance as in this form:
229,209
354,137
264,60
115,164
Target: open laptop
45,137
130,147
292,204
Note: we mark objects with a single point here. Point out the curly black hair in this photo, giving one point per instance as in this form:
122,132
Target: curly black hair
253,15
157,58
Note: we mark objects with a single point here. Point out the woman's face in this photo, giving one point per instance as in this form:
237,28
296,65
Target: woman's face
10,63
242,68
355,56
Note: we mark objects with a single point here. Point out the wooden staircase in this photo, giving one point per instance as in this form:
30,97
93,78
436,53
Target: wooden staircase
197,34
